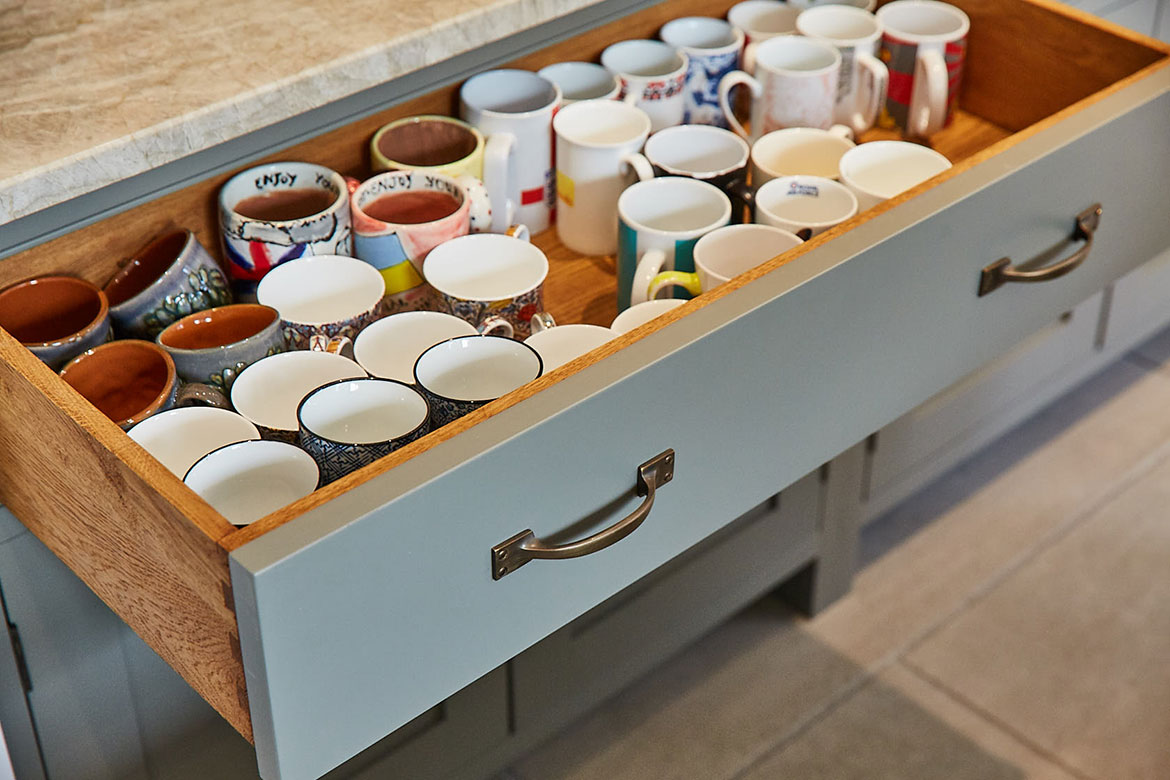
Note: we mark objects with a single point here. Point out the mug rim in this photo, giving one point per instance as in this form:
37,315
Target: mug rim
679,69
302,425
361,215
539,367
792,132
753,227
849,10
481,238
268,362
382,159
822,182
213,310
163,420
736,42
375,330
799,41
102,314
958,13
279,272
615,85
479,108
666,304
337,178
670,181
593,104
157,280
169,385
252,444
666,132
768,5
851,182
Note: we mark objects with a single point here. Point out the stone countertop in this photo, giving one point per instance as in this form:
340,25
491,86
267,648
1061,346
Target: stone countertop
96,91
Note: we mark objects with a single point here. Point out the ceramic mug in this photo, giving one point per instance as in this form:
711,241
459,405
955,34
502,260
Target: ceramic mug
863,79
804,205
709,154
800,151
515,109
655,74
865,5
558,344
659,222
170,278
55,317
486,278
388,348
596,140
924,45
722,255
431,143
351,423
250,479
460,375
879,170
760,20
641,313
712,47
279,212
268,391
795,85
326,295
582,81
127,380
215,345
177,438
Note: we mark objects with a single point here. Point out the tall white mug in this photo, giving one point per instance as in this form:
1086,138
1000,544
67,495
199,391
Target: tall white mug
863,80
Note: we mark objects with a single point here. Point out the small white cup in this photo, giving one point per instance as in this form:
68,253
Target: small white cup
804,205
268,391
389,348
558,345
641,313
724,254
325,295
179,437
250,479
462,374
582,81
862,83
799,151
879,170
656,73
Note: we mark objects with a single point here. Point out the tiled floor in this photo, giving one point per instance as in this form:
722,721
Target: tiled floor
1010,621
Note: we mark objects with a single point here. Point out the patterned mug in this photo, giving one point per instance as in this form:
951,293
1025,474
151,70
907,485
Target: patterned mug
327,295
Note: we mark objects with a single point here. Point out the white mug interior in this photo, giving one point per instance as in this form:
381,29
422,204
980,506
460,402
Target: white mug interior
389,347
923,21
177,438
269,391
644,58
477,368
363,411
696,150
563,343
796,54
641,313
805,151
509,91
807,201
601,123
764,17
698,32
321,289
485,267
729,251
581,80
273,177
250,479
845,25
887,168
674,204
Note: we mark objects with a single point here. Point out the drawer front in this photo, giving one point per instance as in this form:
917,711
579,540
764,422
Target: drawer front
365,611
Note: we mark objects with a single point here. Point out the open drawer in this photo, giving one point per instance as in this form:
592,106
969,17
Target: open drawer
330,623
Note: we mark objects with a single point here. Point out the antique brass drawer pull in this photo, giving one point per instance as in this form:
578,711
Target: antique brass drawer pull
1001,272
509,556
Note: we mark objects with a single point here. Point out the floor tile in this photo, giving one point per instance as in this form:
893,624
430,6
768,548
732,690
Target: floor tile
899,727
1071,650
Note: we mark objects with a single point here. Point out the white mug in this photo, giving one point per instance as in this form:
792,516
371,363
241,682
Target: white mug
515,108
862,82
323,295
596,140
460,375
724,254
879,170
709,154
250,479
388,348
559,344
641,313
799,151
865,5
760,20
795,85
655,73
268,391
804,205
179,437
582,81
712,47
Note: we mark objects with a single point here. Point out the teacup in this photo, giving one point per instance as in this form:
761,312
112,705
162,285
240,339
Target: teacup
389,348
170,278
215,345
879,170
559,344
462,374
641,313
348,424
268,391
55,317
179,437
250,479
327,295
804,205
126,380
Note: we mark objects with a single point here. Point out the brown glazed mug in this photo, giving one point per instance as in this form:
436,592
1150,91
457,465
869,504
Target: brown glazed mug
55,317
215,345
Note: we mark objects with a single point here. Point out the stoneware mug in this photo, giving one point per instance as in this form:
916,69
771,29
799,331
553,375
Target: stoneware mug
460,375
655,74
712,47
389,348
326,295
215,345
55,317
804,205
169,278
250,479
351,423
278,212
127,380
879,170
179,437
863,79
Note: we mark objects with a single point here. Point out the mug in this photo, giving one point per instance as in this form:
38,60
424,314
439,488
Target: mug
712,47
215,345
326,295
250,479
799,151
879,170
760,20
865,5
862,82
127,380
388,348
55,317
486,278
460,375
515,109
558,344
795,85
400,216
170,278
431,143
804,205
177,438
278,212
659,222
641,313
268,391
351,423
655,74
596,139
582,81
723,254
709,154
924,45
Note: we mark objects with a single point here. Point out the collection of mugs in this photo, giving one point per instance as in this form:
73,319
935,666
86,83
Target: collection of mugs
350,318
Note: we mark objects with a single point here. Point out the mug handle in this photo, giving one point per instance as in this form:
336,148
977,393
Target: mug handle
842,131
631,97
199,394
479,217
542,321
740,191
749,57
879,82
729,82
639,164
928,105
688,281
338,345
520,232
492,324
648,267
497,156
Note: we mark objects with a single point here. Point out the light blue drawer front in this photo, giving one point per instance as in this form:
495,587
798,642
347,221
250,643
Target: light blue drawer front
361,614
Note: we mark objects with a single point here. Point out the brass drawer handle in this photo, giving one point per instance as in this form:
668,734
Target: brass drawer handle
509,556
1001,272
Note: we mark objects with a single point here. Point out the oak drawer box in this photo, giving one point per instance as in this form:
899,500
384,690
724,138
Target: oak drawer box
332,622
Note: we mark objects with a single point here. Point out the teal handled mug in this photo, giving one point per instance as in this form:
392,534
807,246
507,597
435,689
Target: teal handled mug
659,222
721,255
